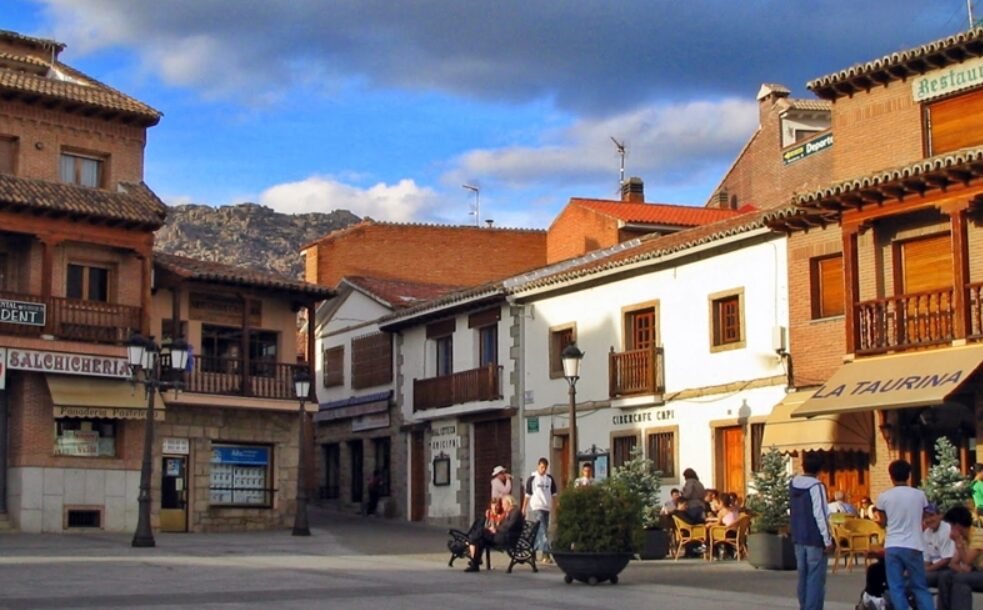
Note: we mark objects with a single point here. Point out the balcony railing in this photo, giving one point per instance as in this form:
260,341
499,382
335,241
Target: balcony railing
905,321
458,388
638,371
228,376
76,320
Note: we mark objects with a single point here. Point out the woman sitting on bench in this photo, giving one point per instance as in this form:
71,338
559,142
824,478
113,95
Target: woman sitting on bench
503,535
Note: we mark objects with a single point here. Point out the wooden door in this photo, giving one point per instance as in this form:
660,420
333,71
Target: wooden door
418,478
560,460
846,471
926,279
731,448
492,447
640,330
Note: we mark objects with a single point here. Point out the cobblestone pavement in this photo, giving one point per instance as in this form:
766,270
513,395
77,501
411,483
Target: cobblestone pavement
355,562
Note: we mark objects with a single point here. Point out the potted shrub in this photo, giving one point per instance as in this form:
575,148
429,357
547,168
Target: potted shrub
769,545
641,478
598,530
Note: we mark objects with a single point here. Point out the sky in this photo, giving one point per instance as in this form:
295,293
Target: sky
387,108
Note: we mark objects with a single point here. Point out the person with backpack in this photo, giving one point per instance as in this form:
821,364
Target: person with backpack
810,532
537,504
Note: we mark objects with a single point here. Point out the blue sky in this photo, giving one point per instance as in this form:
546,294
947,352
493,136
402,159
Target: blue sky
386,108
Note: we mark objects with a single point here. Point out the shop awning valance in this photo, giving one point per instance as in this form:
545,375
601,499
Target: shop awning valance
355,406
916,379
843,432
93,397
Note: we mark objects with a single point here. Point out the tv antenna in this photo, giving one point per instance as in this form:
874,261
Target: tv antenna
621,152
476,212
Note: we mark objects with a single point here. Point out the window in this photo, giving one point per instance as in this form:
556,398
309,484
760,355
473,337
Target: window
487,345
87,283
827,286
221,350
81,170
623,446
640,330
804,134
8,155
333,366
662,452
560,337
85,437
4,278
372,360
726,320
381,448
444,347
262,353
240,475
166,325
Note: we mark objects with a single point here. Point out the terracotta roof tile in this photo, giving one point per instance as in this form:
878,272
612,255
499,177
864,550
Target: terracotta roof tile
208,271
811,105
655,213
368,222
133,203
43,43
900,65
399,294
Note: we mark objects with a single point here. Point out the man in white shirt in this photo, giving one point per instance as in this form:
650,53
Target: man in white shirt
903,507
537,504
939,547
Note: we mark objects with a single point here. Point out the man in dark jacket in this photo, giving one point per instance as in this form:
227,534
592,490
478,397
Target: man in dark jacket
810,532
505,535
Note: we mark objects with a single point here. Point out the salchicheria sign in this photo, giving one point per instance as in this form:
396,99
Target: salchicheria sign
22,312
956,77
66,364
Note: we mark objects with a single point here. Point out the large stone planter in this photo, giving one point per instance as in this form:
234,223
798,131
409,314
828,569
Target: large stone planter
591,568
656,544
771,551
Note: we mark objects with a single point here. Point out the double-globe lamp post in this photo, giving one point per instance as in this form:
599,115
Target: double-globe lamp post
302,387
147,368
572,358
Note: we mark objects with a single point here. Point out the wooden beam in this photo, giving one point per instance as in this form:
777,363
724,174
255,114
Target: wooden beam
851,288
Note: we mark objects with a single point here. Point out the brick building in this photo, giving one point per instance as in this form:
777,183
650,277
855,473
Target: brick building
884,266
75,276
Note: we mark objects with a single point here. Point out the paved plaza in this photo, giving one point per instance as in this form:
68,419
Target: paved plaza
355,562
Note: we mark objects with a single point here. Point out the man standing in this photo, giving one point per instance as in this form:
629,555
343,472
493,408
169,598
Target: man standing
939,547
810,532
903,507
537,503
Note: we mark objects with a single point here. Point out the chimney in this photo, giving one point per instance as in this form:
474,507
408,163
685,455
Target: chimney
633,190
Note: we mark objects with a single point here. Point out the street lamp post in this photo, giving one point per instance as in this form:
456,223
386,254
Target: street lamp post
146,368
302,387
572,357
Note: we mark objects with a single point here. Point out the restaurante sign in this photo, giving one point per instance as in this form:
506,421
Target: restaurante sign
67,364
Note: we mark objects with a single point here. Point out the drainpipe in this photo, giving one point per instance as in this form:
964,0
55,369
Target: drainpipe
3,452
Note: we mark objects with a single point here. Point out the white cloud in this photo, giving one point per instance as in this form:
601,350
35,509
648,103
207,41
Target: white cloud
401,202
663,141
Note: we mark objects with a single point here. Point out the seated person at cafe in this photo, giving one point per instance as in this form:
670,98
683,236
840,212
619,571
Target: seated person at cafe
670,506
712,502
867,509
965,571
684,514
840,505
728,513
938,543
502,535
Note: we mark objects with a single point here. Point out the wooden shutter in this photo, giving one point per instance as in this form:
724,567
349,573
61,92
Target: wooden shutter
492,447
372,360
828,287
333,366
662,452
559,340
926,264
8,155
954,122
640,329
485,318
623,446
441,329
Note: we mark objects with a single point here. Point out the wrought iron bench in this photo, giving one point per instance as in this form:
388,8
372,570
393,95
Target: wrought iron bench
520,552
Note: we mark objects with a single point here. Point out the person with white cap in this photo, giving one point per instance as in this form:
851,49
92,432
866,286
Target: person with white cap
501,483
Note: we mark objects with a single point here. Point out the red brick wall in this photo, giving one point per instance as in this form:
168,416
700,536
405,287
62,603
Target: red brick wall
455,256
42,134
578,230
760,177
876,130
817,346
32,432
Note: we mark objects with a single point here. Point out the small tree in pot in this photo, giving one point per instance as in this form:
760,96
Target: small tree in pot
598,530
640,477
769,545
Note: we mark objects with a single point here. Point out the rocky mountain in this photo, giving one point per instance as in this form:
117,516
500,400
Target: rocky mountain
246,234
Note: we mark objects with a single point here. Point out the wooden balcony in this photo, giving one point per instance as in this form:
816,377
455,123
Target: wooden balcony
906,321
458,388
639,371
229,377
75,320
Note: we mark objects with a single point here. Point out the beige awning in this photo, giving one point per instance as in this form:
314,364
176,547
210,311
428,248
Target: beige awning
78,396
914,379
844,432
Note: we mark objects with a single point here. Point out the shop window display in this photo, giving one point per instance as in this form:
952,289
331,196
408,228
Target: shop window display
85,437
240,475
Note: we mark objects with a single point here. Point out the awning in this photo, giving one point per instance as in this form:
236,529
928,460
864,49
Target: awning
915,379
93,397
356,406
843,432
